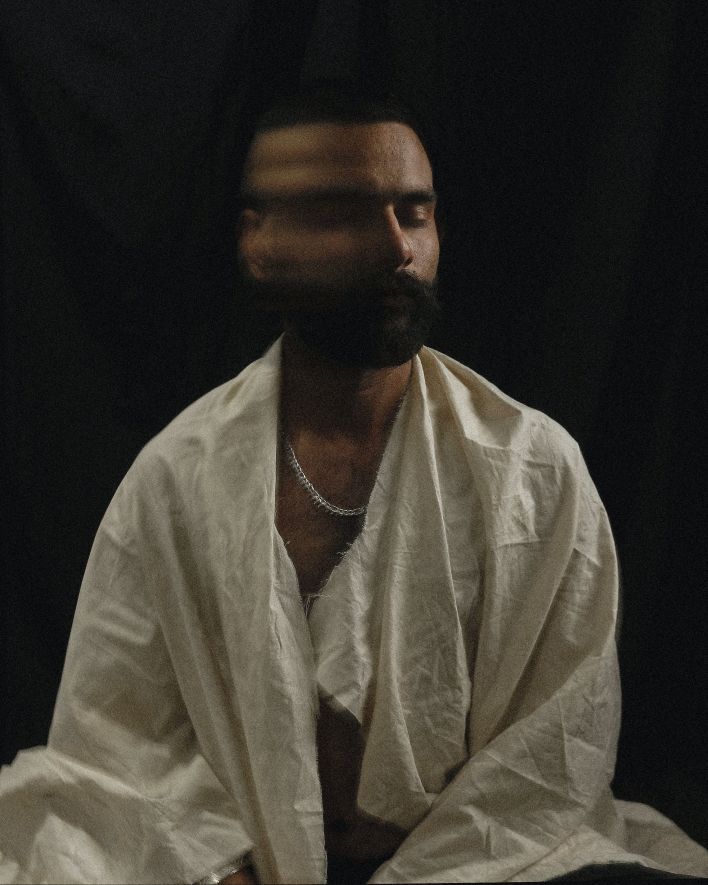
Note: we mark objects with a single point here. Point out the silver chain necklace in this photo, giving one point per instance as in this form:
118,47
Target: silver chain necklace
319,500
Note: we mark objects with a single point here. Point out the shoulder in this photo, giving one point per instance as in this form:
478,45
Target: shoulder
215,440
528,469
494,423
225,417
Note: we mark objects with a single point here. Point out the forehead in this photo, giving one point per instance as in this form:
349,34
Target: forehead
375,157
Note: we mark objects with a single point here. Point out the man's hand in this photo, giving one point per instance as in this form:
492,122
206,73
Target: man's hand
246,876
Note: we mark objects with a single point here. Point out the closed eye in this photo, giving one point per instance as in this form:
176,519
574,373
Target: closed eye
415,216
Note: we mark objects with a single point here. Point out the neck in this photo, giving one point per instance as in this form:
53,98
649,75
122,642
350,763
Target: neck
331,400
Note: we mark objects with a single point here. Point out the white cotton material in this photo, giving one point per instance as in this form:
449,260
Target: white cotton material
470,629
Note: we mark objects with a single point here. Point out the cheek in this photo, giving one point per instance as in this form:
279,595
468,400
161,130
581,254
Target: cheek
299,252
427,252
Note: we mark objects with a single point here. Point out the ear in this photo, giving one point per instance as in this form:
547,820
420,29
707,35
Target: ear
248,220
248,227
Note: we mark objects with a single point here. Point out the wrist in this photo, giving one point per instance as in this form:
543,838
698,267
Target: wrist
221,873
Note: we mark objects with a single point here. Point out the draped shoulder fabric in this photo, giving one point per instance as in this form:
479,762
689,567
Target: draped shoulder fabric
470,629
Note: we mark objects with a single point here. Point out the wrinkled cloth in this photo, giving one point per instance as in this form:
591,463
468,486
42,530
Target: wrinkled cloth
470,629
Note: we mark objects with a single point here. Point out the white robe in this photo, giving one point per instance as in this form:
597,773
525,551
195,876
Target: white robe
470,629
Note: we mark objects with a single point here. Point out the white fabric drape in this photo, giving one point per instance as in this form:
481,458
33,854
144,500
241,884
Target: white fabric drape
470,629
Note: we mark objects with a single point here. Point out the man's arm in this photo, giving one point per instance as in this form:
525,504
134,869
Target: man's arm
545,711
122,793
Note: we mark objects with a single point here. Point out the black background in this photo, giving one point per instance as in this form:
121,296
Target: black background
569,153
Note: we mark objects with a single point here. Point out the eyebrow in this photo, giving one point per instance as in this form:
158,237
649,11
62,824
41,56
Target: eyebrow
415,196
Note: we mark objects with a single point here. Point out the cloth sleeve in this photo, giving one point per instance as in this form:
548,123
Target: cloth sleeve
122,792
545,709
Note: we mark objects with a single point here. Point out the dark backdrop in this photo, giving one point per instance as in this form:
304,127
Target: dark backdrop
569,156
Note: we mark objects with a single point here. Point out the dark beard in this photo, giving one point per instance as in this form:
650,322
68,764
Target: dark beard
354,325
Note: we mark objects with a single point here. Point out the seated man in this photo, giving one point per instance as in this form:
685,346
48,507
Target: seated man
351,614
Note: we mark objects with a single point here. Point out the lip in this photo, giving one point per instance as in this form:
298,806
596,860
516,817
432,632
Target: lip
395,298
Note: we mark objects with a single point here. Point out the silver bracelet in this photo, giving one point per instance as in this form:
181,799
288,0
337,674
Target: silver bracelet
233,866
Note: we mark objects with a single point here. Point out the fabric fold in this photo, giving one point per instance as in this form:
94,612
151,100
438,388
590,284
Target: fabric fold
469,630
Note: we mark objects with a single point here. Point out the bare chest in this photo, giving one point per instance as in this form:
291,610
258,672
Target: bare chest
315,540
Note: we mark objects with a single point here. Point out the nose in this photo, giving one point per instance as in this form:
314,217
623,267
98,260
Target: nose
394,244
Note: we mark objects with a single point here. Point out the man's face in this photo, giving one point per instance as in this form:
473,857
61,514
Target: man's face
343,239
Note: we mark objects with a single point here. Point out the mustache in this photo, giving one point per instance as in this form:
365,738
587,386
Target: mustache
367,297
355,294
363,328
402,283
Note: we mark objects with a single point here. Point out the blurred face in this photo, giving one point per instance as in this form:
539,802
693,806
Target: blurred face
342,238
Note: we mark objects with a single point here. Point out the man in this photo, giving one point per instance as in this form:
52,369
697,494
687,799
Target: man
351,614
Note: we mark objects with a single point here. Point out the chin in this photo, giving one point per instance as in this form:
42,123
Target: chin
377,352
368,335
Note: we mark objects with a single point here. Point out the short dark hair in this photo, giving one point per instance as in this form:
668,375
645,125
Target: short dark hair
341,102
328,101
335,102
